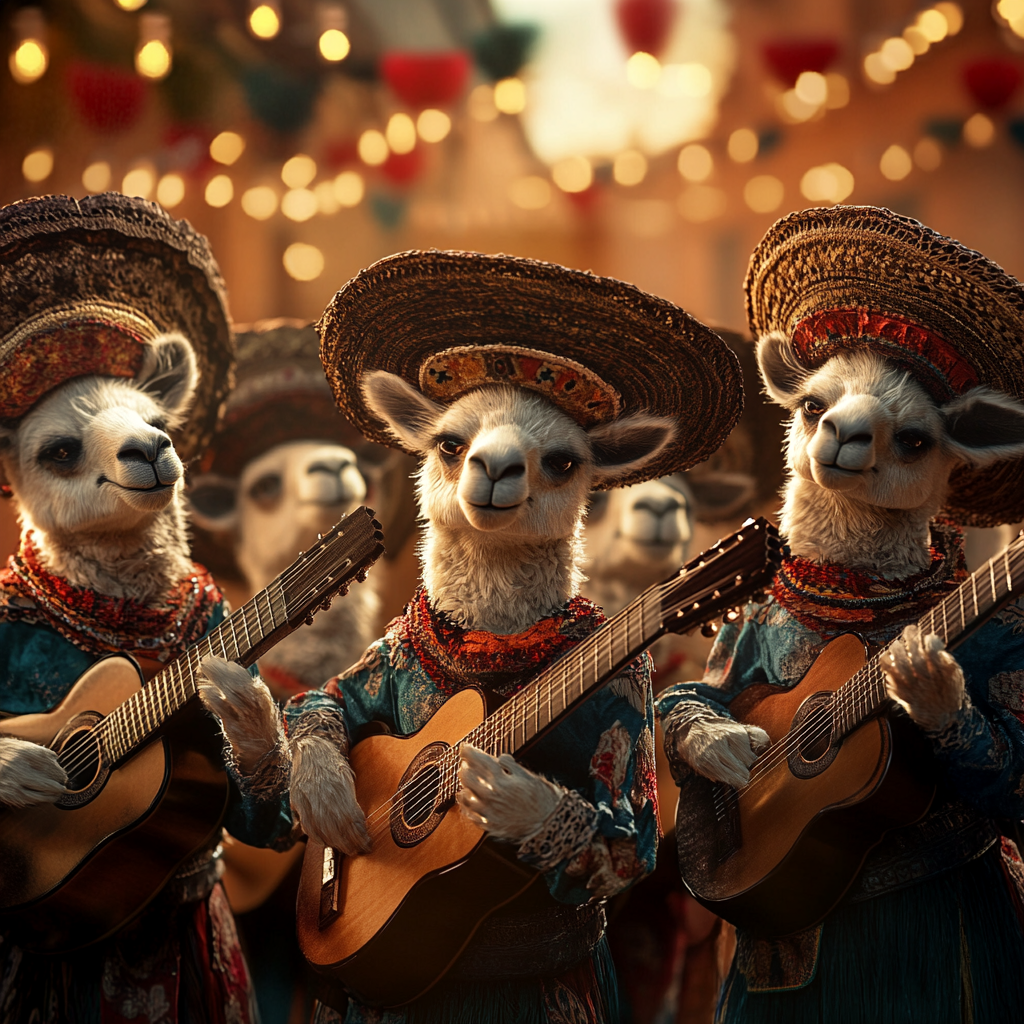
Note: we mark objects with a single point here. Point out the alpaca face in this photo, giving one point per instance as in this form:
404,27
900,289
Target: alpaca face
864,427
640,533
94,454
282,500
506,463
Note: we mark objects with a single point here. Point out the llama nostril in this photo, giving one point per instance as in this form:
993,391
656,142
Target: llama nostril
510,472
859,439
138,451
331,468
498,469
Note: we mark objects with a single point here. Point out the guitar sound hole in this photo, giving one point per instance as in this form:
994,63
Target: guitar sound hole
418,805
80,758
816,745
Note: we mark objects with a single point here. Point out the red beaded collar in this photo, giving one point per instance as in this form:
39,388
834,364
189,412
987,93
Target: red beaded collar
455,657
832,599
100,624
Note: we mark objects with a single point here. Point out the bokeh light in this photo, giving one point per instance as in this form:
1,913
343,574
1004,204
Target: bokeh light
895,163
260,202
170,191
219,191
373,147
299,204
743,145
37,165
334,45
227,147
695,162
401,133
264,21
574,174
764,193
303,262
349,188
630,167
530,193
433,125
96,177
298,171
139,181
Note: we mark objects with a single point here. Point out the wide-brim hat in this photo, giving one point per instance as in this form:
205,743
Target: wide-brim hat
281,395
852,276
87,283
450,322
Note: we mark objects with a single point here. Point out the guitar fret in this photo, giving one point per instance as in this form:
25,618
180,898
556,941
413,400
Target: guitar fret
1009,577
992,581
974,591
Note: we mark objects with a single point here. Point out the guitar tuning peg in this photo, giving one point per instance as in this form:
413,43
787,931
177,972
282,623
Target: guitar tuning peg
362,574
709,629
319,536
326,604
309,619
343,591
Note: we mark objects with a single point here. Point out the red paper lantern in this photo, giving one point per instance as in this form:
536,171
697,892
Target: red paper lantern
645,24
788,58
403,168
992,81
426,79
107,99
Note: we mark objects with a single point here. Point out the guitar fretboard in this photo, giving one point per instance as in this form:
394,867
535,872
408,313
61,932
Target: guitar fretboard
953,619
241,637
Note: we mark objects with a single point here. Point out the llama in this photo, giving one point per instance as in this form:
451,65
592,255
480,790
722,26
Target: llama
870,453
98,485
283,499
502,489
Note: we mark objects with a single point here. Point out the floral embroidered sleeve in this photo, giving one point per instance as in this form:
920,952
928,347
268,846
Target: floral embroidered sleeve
603,835
981,751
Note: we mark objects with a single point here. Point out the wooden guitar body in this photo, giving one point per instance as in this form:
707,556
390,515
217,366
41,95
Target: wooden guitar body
371,924
74,872
777,856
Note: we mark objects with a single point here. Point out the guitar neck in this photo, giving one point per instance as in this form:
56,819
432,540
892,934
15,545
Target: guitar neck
569,680
246,634
953,619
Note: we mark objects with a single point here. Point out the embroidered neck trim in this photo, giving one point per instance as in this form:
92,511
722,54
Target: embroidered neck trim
455,657
832,599
100,624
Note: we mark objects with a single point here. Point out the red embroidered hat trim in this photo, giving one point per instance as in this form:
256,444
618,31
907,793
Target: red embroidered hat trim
455,657
100,624
929,358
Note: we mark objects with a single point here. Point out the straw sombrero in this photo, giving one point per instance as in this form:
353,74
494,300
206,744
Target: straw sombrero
449,322
87,283
839,278
280,396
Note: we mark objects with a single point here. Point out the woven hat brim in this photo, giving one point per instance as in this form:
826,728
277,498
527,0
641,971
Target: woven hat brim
402,310
865,257
55,249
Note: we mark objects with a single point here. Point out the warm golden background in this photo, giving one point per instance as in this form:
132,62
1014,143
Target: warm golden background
652,140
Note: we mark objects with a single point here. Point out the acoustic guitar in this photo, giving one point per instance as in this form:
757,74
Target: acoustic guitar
776,856
146,784
387,925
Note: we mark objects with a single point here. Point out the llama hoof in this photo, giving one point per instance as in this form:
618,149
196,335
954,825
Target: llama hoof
721,749
924,679
502,797
247,712
323,797
29,774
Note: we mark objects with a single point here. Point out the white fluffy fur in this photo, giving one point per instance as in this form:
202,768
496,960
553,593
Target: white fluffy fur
324,797
722,750
924,679
29,774
502,797
112,519
247,712
283,499
854,495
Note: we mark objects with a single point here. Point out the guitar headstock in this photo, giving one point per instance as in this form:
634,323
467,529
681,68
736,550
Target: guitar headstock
344,553
720,580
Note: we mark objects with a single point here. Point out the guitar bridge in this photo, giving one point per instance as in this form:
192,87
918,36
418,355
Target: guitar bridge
330,887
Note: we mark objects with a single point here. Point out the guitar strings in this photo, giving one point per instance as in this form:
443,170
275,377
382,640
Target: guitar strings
417,799
821,722
84,748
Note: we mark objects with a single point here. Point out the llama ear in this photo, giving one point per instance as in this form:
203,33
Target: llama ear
984,426
410,415
719,495
625,445
213,502
169,373
781,371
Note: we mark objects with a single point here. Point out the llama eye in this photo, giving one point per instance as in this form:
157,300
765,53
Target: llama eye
266,490
450,447
913,440
559,463
62,454
813,407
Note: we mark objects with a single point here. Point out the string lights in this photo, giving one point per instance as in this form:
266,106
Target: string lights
264,18
30,57
333,44
153,53
898,53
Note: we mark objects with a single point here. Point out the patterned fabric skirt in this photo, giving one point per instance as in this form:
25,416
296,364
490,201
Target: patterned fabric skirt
174,965
587,994
949,950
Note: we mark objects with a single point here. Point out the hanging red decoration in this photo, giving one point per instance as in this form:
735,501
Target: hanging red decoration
788,58
426,79
107,99
340,153
645,24
403,168
187,148
992,81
